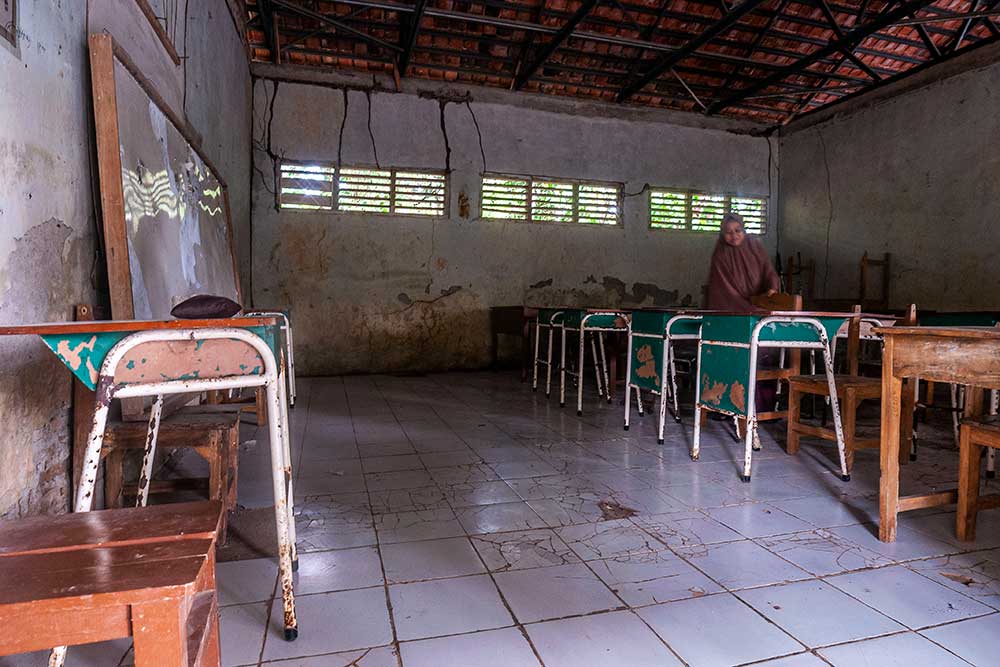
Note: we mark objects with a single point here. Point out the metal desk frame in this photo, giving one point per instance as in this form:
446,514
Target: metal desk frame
751,438
600,365
668,368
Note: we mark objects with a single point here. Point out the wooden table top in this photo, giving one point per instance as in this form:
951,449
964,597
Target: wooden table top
986,333
99,326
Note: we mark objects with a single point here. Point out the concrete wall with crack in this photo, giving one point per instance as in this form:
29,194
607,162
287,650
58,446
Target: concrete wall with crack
378,293
916,175
48,239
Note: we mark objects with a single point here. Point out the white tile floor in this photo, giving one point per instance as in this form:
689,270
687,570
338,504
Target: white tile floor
453,520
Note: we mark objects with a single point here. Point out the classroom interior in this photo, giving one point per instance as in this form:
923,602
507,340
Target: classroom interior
378,333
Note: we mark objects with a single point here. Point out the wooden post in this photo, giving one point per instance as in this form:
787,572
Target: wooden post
892,390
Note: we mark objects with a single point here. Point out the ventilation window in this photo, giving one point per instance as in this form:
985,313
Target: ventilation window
669,210
418,193
754,212
551,201
707,211
598,204
703,211
308,187
365,190
546,200
504,198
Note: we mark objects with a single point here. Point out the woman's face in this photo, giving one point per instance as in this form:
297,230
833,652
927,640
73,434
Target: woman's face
733,233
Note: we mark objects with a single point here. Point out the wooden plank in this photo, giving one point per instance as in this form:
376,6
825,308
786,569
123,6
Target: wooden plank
909,503
102,76
131,583
991,333
177,521
971,360
892,388
161,34
36,630
814,431
58,328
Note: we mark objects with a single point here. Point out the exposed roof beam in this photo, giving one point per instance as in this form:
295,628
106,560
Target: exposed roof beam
970,21
932,48
267,24
322,31
645,35
408,37
333,23
848,53
707,35
941,18
758,38
850,39
550,47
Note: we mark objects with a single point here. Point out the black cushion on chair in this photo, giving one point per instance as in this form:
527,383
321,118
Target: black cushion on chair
205,307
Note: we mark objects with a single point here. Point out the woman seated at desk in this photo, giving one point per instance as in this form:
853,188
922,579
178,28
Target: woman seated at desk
740,270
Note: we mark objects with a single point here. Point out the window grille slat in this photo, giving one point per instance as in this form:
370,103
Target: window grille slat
305,187
504,198
669,209
704,211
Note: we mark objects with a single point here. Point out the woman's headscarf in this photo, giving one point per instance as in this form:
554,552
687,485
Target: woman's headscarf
738,272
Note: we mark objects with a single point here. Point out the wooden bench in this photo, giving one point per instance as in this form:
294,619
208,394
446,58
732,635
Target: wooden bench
148,573
975,434
212,434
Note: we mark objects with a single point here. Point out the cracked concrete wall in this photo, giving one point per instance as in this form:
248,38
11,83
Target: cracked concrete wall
47,207
917,175
378,293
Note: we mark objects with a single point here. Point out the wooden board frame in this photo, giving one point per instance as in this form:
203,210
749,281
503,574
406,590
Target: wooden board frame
103,53
161,34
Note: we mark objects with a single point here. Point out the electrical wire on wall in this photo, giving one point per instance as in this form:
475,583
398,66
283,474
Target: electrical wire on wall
340,138
475,121
368,96
444,134
829,222
264,144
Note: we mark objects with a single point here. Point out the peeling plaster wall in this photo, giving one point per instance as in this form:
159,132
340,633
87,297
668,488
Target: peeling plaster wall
918,176
377,293
47,208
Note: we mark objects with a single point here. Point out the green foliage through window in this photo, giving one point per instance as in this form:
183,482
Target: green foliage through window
550,200
363,190
703,211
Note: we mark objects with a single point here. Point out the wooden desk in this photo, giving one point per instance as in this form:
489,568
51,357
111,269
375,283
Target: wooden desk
512,321
138,359
962,355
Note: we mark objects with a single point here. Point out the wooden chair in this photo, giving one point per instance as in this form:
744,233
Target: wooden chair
974,434
146,573
213,434
852,389
864,298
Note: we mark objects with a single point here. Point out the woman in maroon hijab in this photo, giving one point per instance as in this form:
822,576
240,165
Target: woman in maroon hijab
740,269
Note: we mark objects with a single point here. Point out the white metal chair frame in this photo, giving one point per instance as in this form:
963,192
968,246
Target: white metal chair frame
286,327
550,328
600,364
751,438
668,370
272,379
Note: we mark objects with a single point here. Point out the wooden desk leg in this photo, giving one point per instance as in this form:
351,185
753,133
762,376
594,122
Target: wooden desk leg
906,411
159,630
892,396
968,487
